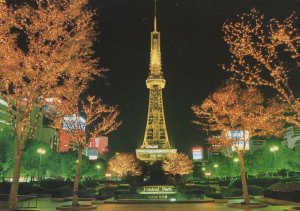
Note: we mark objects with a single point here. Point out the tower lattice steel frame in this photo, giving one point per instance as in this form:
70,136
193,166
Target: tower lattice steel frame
156,143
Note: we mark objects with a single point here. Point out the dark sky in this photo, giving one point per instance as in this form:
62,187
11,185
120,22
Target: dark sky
192,48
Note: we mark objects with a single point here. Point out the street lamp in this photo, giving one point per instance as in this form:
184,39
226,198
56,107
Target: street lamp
98,167
203,168
274,149
236,160
216,166
41,152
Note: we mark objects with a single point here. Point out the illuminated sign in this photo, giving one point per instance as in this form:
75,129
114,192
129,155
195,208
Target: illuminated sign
157,190
197,153
241,137
74,122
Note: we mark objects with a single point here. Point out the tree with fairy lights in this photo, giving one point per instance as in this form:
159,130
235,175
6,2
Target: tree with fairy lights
123,164
237,114
177,165
264,53
81,120
44,47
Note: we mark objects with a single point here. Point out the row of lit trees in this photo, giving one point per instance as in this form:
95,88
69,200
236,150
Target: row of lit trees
47,59
263,54
176,165
41,161
262,162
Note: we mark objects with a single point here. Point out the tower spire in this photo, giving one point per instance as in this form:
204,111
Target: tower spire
155,24
155,55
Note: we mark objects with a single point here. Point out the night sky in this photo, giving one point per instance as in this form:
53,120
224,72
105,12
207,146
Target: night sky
192,50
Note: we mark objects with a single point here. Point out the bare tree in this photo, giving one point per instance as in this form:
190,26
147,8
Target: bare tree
264,53
124,164
236,115
177,165
44,47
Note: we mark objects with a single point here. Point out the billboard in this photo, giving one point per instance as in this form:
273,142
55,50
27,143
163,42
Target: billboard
197,153
241,137
74,123
91,153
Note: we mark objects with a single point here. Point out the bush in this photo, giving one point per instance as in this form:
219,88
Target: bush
288,196
30,188
255,190
224,182
4,188
236,192
62,192
52,184
286,187
262,182
215,195
106,193
85,194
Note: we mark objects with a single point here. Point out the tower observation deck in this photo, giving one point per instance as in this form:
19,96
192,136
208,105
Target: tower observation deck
156,145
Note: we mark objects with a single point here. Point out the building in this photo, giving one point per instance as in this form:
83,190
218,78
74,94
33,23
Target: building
43,131
197,153
256,144
97,147
291,137
156,144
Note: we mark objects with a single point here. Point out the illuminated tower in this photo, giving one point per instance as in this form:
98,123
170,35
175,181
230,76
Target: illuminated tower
156,143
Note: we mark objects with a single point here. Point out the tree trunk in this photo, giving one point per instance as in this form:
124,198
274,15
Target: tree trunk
243,178
77,177
13,194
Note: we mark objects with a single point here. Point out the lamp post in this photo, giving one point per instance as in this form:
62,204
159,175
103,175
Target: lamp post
216,166
98,168
274,149
41,152
236,160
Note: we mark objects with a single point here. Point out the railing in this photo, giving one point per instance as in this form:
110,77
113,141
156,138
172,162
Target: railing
24,201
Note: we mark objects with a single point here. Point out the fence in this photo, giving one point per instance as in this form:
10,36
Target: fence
24,201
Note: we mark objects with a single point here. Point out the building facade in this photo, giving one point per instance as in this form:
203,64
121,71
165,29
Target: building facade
291,137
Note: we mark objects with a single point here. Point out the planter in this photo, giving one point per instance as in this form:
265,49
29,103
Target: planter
80,207
251,205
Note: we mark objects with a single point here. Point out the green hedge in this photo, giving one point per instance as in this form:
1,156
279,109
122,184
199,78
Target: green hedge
62,192
262,182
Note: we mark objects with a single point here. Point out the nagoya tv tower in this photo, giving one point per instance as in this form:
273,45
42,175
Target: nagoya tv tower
156,143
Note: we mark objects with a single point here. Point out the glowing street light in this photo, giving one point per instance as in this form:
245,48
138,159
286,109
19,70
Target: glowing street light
203,168
236,160
41,152
216,166
274,149
98,167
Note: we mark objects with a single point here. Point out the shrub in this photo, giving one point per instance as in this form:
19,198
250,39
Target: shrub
85,194
52,184
215,195
288,196
286,187
224,182
4,188
255,190
106,193
236,192
62,192
262,182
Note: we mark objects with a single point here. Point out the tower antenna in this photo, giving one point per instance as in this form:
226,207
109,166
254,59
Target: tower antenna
155,15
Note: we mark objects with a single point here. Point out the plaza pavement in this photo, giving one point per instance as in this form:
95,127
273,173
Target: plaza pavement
45,204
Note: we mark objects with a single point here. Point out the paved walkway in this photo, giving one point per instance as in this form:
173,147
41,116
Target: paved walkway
47,205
